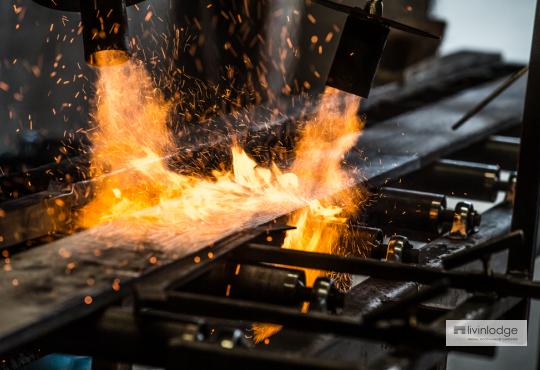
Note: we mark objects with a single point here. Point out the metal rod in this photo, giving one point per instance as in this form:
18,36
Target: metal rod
469,281
235,309
240,309
359,12
395,333
406,304
498,91
158,339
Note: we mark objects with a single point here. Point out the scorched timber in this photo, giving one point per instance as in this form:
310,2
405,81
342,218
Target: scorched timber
46,287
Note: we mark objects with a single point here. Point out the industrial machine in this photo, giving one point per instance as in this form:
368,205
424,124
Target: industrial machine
448,227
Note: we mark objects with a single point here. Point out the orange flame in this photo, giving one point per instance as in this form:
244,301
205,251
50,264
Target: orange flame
131,133
318,165
325,141
134,185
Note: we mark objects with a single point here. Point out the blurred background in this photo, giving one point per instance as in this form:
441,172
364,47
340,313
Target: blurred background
488,25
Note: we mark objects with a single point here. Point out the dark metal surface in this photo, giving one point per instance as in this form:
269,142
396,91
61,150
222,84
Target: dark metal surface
506,147
193,355
527,198
404,307
508,241
197,304
117,334
480,307
502,151
390,149
50,295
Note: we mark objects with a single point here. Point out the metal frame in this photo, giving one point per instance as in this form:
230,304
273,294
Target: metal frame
526,215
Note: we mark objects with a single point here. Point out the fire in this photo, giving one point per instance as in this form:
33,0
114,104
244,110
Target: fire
129,143
318,165
134,185
133,182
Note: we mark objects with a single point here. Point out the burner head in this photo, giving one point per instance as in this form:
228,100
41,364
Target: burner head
361,45
105,32
358,55
105,28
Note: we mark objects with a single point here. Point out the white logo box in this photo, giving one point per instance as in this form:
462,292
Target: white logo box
500,333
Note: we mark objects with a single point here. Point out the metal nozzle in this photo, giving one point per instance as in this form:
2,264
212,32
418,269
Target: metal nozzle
105,28
105,32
